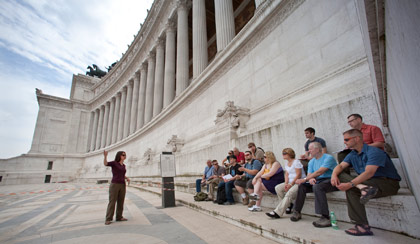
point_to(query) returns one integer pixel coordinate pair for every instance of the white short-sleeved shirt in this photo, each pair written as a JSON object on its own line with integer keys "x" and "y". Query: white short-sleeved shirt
{"x": 292, "y": 172}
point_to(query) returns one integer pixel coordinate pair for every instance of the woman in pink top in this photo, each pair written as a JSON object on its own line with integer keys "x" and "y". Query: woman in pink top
{"x": 117, "y": 187}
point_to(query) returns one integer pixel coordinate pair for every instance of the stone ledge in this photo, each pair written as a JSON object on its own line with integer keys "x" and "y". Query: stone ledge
{"x": 281, "y": 230}
{"x": 397, "y": 213}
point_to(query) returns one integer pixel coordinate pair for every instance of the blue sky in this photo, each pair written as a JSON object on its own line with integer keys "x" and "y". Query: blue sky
{"x": 44, "y": 42}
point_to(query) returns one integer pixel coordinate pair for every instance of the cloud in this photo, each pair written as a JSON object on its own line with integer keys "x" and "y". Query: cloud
{"x": 44, "y": 42}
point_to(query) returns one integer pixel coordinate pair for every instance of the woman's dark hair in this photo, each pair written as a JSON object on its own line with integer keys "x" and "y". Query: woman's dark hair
{"x": 118, "y": 156}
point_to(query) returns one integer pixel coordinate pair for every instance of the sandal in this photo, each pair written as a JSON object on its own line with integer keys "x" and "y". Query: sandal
{"x": 370, "y": 192}
{"x": 360, "y": 230}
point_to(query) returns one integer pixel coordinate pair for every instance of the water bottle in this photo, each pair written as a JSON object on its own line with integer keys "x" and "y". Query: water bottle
{"x": 333, "y": 221}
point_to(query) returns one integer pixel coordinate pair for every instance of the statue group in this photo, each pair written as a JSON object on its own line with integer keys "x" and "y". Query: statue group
{"x": 95, "y": 71}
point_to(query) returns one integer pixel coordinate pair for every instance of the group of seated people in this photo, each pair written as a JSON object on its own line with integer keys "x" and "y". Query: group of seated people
{"x": 255, "y": 171}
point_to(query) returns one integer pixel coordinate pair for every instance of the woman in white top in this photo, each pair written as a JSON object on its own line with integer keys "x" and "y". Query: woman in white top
{"x": 287, "y": 191}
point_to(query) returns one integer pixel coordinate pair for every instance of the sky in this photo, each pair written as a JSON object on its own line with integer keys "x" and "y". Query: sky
{"x": 44, "y": 42}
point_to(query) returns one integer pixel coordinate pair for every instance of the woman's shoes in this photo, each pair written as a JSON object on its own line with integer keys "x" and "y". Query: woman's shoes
{"x": 273, "y": 215}
{"x": 255, "y": 208}
{"x": 289, "y": 209}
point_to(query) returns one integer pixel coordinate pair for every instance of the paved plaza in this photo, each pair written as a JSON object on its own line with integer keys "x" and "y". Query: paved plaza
{"x": 75, "y": 213}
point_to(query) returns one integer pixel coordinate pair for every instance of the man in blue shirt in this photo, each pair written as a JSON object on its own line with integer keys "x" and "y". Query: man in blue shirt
{"x": 317, "y": 181}
{"x": 377, "y": 177}
{"x": 251, "y": 168}
{"x": 208, "y": 171}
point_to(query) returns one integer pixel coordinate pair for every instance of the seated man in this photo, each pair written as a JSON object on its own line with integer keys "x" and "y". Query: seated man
{"x": 320, "y": 169}
{"x": 251, "y": 168}
{"x": 240, "y": 156}
{"x": 310, "y": 135}
{"x": 228, "y": 181}
{"x": 372, "y": 135}
{"x": 257, "y": 153}
{"x": 208, "y": 171}
{"x": 377, "y": 177}
{"x": 214, "y": 180}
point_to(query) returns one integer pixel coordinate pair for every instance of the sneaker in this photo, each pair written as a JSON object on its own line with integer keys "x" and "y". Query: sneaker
{"x": 229, "y": 203}
{"x": 289, "y": 209}
{"x": 295, "y": 216}
{"x": 245, "y": 200}
{"x": 251, "y": 203}
{"x": 255, "y": 208}
{"x": 254, "y": 196}
{"x": 273, "y": 215}
{"x": 322, "y": 222}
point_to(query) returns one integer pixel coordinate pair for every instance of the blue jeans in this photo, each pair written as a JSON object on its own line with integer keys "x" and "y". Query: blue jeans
{"x": 228, "y": 189}
{"x": 198, "y": 185}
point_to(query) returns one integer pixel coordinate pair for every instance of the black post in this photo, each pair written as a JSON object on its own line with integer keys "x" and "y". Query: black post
{"x": 168, "y": 187}
{"x": 168, "y": 192}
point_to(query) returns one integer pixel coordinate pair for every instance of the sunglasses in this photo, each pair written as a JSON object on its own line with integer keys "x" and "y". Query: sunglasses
{"x": 285, "y": 153}
{"x": 348, "y": 139}
{"x": 123, "y": 155}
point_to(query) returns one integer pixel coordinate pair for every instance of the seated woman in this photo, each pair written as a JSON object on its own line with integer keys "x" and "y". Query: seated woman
{"x": 270, "y": 175}
{"x": 287, "y": 191}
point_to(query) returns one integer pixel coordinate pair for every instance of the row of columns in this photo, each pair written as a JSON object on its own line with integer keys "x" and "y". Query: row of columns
{"x": 153, "y": 86}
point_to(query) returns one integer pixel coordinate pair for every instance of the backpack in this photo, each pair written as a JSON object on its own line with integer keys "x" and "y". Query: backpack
{"x": 200, "y": 196}
{"x": 221, "y": 195}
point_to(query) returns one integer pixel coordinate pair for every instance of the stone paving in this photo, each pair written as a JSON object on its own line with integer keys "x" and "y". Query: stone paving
{"x": 74, "y": 213}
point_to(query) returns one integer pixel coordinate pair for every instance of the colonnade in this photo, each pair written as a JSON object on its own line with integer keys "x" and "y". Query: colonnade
{"x": 163, "y": 75}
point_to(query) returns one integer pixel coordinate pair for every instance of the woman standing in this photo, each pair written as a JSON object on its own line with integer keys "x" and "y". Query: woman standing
{"x": 270, "y": 175}
{"x": 117, "y": 187}
{"x": 287, "y": 191}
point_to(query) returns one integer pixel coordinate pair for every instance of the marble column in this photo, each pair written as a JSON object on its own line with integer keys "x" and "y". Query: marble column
{"x": 122, "y": 114}
{"x": 116, "y": 118}
{"x": 99, "y": 128}
{"x": 149, "y": 88}
{"x": 128, "y": 108}
{"x": 182, "y": 74}
{"x": 200, "y": 55}
{"x": 105, "y": 125}
{"x": 110, "y": 122}
{"x": 169, "y": 80}
{"x": 135, "y": 102}
{"x": 142, "y": 96}
{"x": 94, "y": 130}
{"x": 225, "y": 23}
{"x": 159, "y": 74}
